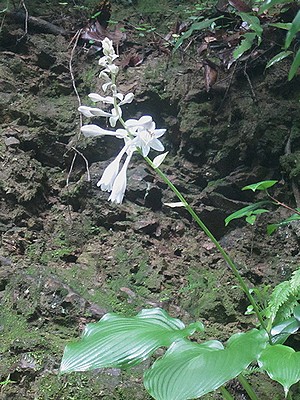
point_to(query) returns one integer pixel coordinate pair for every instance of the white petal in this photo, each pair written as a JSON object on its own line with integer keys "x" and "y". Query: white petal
{"x": 147, "y": 122}
{"x": 95, "y": 97}
{"x": 120, "y": 183}
{"x": 145, "y": 149}
{"x": 146, "y": 119}
{"x": 105, "y": 86}
{"x": 109, "y": 175}
{"x": 111, "y": 171}
{"x": 103, "y": 61}
{"x": 113, "y": 69}
{"x": 155, "y": 144}
{"x": 119, "y": 96}
{"x": 107, "y": 46}
{"x": 104, "y": 75}
{"x": 159, "y": 159}
{"x": 174, "y": 205}
{"x": 93, "y": 112}
{"x": 131, "y": 122}
{"x": 159, "y": 132}
{"x": 127, "y": 99}
{"x": 85, "y": 111}
{"x": 108, "y": 99}
{"x": 121, "y": 133}
{"x": 95, "y": 130}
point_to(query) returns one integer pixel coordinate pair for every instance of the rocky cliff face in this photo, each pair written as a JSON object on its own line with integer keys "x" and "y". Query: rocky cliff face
{"x": 68, "y": 256}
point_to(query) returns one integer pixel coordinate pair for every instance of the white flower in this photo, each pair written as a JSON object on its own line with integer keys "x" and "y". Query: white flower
{"x": 108, "y": 49}
{"x": 146, "y": 134}
{"x": 111, "y": 171}
{"x": 138, "y": 135}
{"x": 93, "y": 112}
{"x": 109, "y": 53}
{"x": 95, "y": 97}
{"x": 116, "y": 114}
{"x": 120, "y": 183}
{"x": 95, "y": 130}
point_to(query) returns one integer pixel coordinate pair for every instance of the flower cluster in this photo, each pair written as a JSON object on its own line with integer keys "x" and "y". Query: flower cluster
{"x": 138, "y": 135}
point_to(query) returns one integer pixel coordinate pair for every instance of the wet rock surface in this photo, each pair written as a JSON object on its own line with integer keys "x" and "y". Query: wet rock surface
{"x": 68, "y": 256}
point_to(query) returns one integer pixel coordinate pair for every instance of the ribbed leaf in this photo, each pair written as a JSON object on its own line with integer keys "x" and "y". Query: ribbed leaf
{"x": 282, "y": 331}
{"x": 245, "y": 45}
{"x": 294, "y": 29}
{"x": 263, "y": 185}
{"x": 295, "y": 65}
{"x": 190, "y": 370}
{"x": 280, "y": 56}
{"x": 282, "y": 364}
{"x": 117, "y": 341}
{"x": 254, "y": 24}
{"x": 246, "y": 211}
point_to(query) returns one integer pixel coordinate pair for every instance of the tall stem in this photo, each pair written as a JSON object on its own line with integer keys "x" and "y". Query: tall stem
{"x": 226, "y": 395}
{"x": 201, "y": 224}
{"x": 224, "y": 254}
{"x": 243, "y": 381}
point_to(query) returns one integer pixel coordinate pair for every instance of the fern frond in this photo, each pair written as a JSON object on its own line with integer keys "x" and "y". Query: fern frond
{"x": 295, "y": 282}
{"x": 278, "y": 297}
{"x": 284, "y": 298}
{"x": 286, "y": 310}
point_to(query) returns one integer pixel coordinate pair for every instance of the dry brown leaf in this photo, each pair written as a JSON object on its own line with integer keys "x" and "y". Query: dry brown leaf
{"x": 210, "y": 75}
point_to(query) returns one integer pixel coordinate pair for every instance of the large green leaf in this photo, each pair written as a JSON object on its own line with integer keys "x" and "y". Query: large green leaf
{"x": 295, "y": 65}
{"x": 282, "y": 364}
{"x": 263, "y": 185}
{"x": 294, "y": 29}
{"x": 117, "y": 341}
{"x": 245, "y": 45}
{"x": 190, "y": 370}
{"x": 247, "y": 211}
{"x": 283, "y": 330}
{"x": 279, "y": 57}
{"x": 254, "y": 24}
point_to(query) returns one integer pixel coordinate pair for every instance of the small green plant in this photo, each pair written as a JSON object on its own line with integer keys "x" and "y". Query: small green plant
{"x": 6, "y": 382}
{"x": 254, "y": 29}
{"x": 188, "y": 369}
{"x": 251, "y": 212}
{"x": 196, "y": 26}
{"x": 292, "y": 30}
{"x": 254, "y": 25}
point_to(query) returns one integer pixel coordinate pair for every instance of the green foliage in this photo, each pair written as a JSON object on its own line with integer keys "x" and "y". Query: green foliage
{"x": 284, "y": 299}
{"x": 245, "y": 45}
{"x": 282, "y": 365}
{"x": 190, "y": 370}
{"x": 261, "y": 296}
{"x": 292, "y": 29}
{"x": 263, "y": 185}
{"x": 279, "y": 57}
{"x": 272, "y": 227}
{"x": 196, "y": 26}
{"x": 249, "y": 37}
{"x": 295, "y": 65}
{"x": 117, "y": 341}
{"x": 271, "y": 3}
{"x": 187, "y": 370}
{"x": 249, "y": 212}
